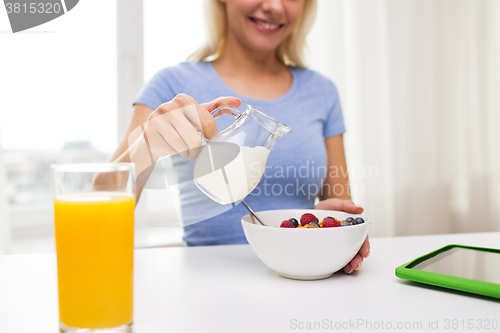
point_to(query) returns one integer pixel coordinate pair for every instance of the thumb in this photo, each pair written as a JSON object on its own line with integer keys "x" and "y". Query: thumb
{"x": 351, "y": 207}
{"x": 340, "y": 205}
{"x": 218, "y": 102}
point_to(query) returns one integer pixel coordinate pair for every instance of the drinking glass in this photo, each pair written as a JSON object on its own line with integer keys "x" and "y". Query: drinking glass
{"x": 94, "y": 226}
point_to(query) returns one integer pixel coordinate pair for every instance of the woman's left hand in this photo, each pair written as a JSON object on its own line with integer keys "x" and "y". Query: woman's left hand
{"x": 349, "y": 207}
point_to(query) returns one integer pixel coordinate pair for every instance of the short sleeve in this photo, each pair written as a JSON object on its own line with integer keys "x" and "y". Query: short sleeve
{"x": 157, "y": 91}
{"x": 334, "y": 124}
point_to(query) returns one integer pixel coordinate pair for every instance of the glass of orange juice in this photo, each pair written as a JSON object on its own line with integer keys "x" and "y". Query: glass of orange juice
{"x": 94, "y": 226}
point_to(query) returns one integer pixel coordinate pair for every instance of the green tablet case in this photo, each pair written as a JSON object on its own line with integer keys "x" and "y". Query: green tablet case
{"x": 447, "y": 281}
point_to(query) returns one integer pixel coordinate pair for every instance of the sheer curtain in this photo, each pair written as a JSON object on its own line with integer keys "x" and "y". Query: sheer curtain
{"x": 419, "y": 81}
{"x": 4, "y": 223}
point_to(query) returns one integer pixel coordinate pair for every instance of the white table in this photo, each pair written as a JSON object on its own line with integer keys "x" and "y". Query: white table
{"x": 227, "y": 289}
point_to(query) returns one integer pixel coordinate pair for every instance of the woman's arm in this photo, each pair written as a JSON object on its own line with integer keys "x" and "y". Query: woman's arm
{"x": 139, "y": 116}
{"x": 336, "y": 193}
{"x": 336, "y": 184}
{"x": 117, "y": 181}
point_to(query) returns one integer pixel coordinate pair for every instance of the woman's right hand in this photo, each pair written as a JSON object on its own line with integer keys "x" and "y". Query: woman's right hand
{"x": 174, "y": 129}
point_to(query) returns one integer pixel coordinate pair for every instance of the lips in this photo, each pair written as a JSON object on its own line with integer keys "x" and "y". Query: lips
{"x": 266, "y": 26}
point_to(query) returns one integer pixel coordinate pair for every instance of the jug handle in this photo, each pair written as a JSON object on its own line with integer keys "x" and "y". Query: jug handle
{"x": 222, "y": 110}
{"x": 225, "y": 109}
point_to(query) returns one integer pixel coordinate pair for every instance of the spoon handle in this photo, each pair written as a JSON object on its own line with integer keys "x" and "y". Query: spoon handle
{"x": 252, "y": 212}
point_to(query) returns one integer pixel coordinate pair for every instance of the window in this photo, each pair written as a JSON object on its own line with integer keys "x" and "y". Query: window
{"x": 172, "y": 31}
{"x": 58, "y": 104}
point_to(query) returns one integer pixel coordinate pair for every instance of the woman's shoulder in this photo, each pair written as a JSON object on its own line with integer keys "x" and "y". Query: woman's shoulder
{"x": 179, "y": 76}
{"x": 313, "y": 79}
{"x": 184, "y": 70}
{"x": 170, "y": 81}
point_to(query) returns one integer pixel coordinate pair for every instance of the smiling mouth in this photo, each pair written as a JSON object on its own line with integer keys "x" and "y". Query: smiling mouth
{"x": 266, "y": 25}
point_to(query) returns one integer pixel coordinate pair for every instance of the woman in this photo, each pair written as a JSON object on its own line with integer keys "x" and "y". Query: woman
{"x": 256, "y": 56}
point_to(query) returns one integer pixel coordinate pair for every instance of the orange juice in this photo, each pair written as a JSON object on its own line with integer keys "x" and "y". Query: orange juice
{"x": 95, "y": 242}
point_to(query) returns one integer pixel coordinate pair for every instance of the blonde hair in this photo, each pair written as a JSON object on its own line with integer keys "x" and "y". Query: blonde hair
{"x": 289, "y": 52}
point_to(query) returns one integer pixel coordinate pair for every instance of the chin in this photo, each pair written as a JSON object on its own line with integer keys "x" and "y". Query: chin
{"x": 263, "y": 45}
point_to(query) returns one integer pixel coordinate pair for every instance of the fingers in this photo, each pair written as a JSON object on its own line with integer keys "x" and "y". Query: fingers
{"x": 191, "y": 138}
{"x": 341, "y": 205}
{"x": 192, "y": 115}
{"x": 173, "y": 128}
{"x": 218, "y": 102}
{"x": 207, "y": 120}
{"x": 165, "y": 140}
{"x": 365, "y": 248}
{"x": 355, "y": 264}
{"x": 350, "y": 207}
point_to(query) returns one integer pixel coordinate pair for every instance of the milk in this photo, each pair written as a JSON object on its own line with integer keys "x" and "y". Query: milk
{"x": 235, "y": 180}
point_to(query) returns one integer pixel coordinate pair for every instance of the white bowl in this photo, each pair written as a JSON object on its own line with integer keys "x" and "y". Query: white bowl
{"x": 304, "y": 253}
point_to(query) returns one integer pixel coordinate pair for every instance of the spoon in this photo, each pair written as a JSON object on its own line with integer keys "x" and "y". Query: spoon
{"x": 252, "y": 212}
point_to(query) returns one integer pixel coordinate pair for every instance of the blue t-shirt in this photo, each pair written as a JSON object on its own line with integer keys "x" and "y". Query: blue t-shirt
{"x": 296, "y": 166}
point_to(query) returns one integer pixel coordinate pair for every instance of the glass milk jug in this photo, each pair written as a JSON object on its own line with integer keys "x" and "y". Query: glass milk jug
{"x": 231, "y": 164}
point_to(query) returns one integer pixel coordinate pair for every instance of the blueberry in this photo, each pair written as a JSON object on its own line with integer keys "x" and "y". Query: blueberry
{"x": 359, "y": 220}
{"x": 294, "y": 222}
{"x": 313, "y": 225}
{"x": 349, "y": 219}
{"x": 345, "y": 224}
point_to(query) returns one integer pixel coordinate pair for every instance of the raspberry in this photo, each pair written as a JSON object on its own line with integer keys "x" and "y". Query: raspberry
{"x": 287, "y": 224}
{"x": 331, "y": 223}
{"x": 307, "y": 218}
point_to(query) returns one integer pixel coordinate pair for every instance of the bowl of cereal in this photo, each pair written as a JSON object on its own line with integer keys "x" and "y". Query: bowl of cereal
{"x": 305, "y": 244}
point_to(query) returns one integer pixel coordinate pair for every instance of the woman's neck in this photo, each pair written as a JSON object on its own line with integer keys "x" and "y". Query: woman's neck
{"x": 237, "y": 58}
{"x": 252, "y": 73}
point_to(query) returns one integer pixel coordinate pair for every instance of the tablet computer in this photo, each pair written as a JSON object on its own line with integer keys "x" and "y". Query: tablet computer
{"x": 465, "y": 268}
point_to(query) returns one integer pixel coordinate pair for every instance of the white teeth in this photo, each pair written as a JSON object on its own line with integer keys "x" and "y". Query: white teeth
{"x": 268, "y": 26}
